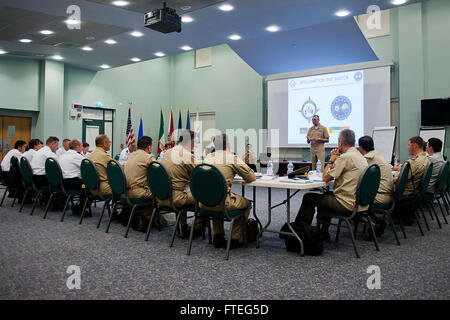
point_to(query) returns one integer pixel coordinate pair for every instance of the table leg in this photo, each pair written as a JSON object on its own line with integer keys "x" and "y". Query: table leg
{"x": 254, "y": 208}
{"x": 269, "y": 214}
{"x": 288, "y": 215}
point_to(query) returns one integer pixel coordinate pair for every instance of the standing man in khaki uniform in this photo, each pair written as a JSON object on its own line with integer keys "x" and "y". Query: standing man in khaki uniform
{"x": 346, "y": 166}
{"x": 100, "y": 158}
{"x": 179, "y": 161}
{"x": 229, "y": 165}
{"x": 317, "y": 136}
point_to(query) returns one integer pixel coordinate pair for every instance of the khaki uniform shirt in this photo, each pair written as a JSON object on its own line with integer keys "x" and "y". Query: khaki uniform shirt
{"x": 179, "y": 163}
{"x": 386, "y": 189}
{"x": 318, "y": 132}
{"x": 229, "y": 165}
{"x": 346, "y": 171}
{"x": 101, "y": 159}
{"x": 136, "y": 173}
{"x": 418, "y": 165}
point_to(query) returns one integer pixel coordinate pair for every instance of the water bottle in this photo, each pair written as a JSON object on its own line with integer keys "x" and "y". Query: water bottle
{"x": 270, "y": 168}
{"x": 395, "y": 161}
{"x": 290, "y": 167}
{"x": 319, "y": 166}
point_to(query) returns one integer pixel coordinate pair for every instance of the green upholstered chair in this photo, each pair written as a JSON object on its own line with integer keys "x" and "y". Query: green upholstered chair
{"x": 442, "y": 187}
{"x": 160, "y": 184}
{"x": 29, "y": 185}
{"x": 365, "y": 194}
{"x": 89, "y": 175}
{"x": 118, "y": 182}
{"x": 424, "y": 199}
{"x": 428, "y": 198}
{"x": 3, "y": 185}
{"x": 209, "y": 188}
{"x": 55, "y": 181}
{"x": 14, "y": 178}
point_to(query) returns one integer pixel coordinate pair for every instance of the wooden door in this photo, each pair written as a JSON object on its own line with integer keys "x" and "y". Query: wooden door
{"x": 13, "y": 129}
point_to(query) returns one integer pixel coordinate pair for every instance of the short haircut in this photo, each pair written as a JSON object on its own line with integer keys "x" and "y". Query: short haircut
{"x": 19, "y": 144}
{"x": 366, "y": 142}
{"x": 66, "y": 140}
{"x": 33, "y": 143}
{"x": 347, "y": 137}
{"x": 220, "y": 141}
{"x": 417, "y": 140}
{"x": 436, "y": 144}
{"x": 85, "y": 144}
{"x": 74, "y": 143}
{"x": 184, "y": 135}
{"x": 51, "y": 139}
{"x": 144, "y": 142}
{"x": 100, "y": 140}
{"x": 316, "y": 116}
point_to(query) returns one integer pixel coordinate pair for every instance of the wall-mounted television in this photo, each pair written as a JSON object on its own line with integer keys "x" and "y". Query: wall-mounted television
{"x": 435, "y": 112}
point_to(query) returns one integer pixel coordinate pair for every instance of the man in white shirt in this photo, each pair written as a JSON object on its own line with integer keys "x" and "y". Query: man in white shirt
{"x": 19, "y": 148}
{"x": 70, "y": 163}
{"x": 64, "y": 148}
{"x": 39, "y": 158}
{"x": 125, "y": 154}
{"x": 33, "y": 146}
{"x": 85, "y": 152}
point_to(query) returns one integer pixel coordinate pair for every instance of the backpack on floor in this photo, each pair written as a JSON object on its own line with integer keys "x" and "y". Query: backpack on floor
{"x": 309, "y": 235}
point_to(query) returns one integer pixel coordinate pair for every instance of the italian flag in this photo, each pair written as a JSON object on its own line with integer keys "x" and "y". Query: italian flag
{"x": 161, "y": 142}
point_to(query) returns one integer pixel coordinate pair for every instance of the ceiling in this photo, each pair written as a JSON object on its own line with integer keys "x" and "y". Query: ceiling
{"x": 310, "y": 34}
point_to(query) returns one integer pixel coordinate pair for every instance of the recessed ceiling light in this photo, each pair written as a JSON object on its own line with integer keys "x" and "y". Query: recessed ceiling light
{"x": 187, "y": 19}
{"x": 160, "y": 54}
{"x": 3, "y": 51}
{"x": 105, "y": 66}
{"x": 226, "y": 7}
{"x": 46, "y": 32}
{"x": 25, "y": 40}
{"x": 137, "y": 34}
{"x": 135, "y": 59}
{"x": 186, "y": 48}
{"x": 399, "y": 2}
{"x": 87, "y": 48}
{"x": 57, "y": 57}
{"x": 185, "y": 8}
{"x": 72, "y": 21}
{"x": 342, "y": 13}
{"x": 120, "y": 3}
{"x": 273, "y": 28}
{"x": 234, "y": 37}
{"x": 110, "y": 41}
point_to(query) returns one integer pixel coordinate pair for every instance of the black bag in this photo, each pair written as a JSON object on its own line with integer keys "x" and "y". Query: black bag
{"x": 309, "y": 235}
{"x": 252, "y": 230}
{"x": 406, "y": 206}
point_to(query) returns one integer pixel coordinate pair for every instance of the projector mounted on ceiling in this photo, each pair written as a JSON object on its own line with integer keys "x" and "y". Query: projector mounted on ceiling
{"x": 164, "y": 20}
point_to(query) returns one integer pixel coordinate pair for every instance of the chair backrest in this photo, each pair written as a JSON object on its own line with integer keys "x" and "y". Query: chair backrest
{"x": 53, "y": 173}
{"x": 368, "y": 185}
{"x": 443, "y": 177}
{"x": 116, "y": 178}
{"x": 426, "y": 178}
{"x": 402, "y": 180}
{"x": 25, "y": 169}
{"x": 208, "y": 185}
{"x": 159, "y": 181}
{"x": 15, "y": 178}
{"x": 89, "y": 175}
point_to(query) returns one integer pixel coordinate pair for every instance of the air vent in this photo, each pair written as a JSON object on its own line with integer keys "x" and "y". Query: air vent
{"x": 28, "y": 54}
{"x": 67, "y": 45}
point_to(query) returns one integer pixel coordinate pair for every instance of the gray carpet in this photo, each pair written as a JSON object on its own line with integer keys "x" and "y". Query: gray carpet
{"x": 35, "y": 254}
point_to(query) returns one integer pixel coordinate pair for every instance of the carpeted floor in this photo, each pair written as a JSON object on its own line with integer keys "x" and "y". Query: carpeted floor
{"x": 35, "y": 255}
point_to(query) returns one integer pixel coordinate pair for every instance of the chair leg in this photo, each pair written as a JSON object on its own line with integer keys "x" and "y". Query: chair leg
{"x": 353, "y": 237}
{"x": 129, "y": 221}
{"x": 424, "y": 218}
{"x": 15, "y": 198}
{"x": 23, "y": 201}
{"x": 65, "y": 206}
{"x": 84, "y": 208}
{"x": 209, "y": 231}
{"x": 442, "y": 211}
{"x": 373, "y": 232}
{"x": 418, "y": 223}
{"x": 48, "y": 205}
{"x": 444, "y": 200}
{"x": 227, "y": 253}
{"x": 447, "y": 201}
{"x": 177, "y": 223}
{"x": 245, "y": 231}
{"x": 35, "y": 201}
{"x": 191, "y": 235}
{"x": 338, "y": 231}
{"x": 391, "y": 222}
{"x": 4, "y": 195}
{"x": 402, "y": 227}
{"x": 110, "y": 218}
{"x": 155, "y": 212}
{"x": 106, "y": 204}
{"x": 430, "y": 204}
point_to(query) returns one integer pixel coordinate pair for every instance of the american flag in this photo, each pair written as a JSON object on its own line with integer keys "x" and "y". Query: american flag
{"x": 129, "y": 133}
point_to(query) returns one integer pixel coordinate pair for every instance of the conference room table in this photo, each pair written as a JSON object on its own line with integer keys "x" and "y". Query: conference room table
{"x": 276, "y": 182}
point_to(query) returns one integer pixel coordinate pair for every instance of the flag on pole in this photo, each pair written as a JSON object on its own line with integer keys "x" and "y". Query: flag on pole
{"x": 170, "y": 134}
{"x": 180, "y": 126}
{"x": 197, "y": 132}
{"x": 129, "y": 133}
{"x": 188, "y": 121}
{"x": 141, "y": 130}
{"x": 161, "y": 142}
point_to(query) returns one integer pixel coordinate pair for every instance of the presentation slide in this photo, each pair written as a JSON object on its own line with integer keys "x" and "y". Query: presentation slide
{"x": 337, "y": 98}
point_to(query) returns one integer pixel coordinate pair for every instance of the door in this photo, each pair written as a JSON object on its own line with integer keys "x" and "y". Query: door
{"x": 91, "y": 129}
{"x": 13, "y": 129}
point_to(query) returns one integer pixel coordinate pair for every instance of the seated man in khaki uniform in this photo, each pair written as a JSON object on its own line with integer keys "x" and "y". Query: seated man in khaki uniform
{"x": 345, "y": 167}
{"x": 100, "y": 158}
{"x": 136, "y": 173}
{"x": 229, "y": 165}
{"x": 386, "y": 189}
{"x": 180, "y": 162}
